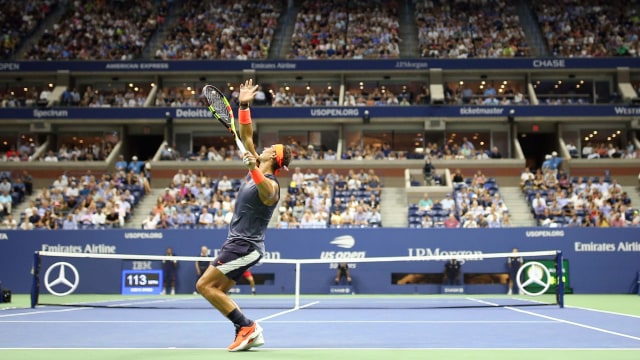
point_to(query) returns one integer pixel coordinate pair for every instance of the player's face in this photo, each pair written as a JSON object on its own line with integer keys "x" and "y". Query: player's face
{"x": 267, "y": 154}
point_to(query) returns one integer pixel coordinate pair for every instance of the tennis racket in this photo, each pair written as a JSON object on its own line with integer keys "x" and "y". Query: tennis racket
{"x": 221, "y": 110}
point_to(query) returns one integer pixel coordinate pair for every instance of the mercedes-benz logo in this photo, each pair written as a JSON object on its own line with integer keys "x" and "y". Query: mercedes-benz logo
{"x": 537, "y": 274}
{"x": 62, "y": 280}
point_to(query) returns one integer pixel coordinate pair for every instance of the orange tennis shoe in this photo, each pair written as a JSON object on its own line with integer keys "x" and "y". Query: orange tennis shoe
{"x": 246, "y": 337}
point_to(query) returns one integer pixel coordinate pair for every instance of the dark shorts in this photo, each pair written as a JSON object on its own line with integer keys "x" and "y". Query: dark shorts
{"x": 513, "y": 274}
{"x": 236, "y": 257}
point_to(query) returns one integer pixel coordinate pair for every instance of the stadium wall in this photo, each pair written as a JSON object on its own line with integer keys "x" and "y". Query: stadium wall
{"x": 600, "y": 260}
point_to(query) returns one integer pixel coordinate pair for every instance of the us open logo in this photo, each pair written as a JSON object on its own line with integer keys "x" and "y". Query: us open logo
{"x": 344, "y": 241}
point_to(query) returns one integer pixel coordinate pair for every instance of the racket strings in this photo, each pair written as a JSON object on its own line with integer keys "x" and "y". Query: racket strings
{"x": 215, "y": 100}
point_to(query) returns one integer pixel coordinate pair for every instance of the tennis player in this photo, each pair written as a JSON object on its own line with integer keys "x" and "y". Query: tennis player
{"x": 255, "y": 202}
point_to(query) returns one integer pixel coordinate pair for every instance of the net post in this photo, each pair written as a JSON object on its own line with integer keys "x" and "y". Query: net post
{"x": 35, "y": 284}
{"x": 560, "y": 279}
{"x": 296, "y": 304}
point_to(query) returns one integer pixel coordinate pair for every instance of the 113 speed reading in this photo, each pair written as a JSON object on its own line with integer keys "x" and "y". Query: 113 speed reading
{"x": 135, "y": 279}
{"x": 141, "y": 282}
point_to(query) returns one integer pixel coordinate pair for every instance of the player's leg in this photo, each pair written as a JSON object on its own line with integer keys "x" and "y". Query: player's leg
{"x": 213, "y": 285}
{"x": 216, "y": 282}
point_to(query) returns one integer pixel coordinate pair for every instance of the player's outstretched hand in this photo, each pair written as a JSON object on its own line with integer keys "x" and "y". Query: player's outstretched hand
{"x": 247, "y": 92}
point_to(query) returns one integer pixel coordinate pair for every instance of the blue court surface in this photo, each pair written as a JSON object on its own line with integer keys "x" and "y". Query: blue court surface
{"x": 336, "y": 322}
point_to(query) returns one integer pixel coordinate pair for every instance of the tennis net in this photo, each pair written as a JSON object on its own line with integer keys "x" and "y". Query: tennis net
{"x": 411, "y": 282}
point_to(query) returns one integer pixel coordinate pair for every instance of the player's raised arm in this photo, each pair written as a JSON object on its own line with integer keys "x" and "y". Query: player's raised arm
{"x": 247, "y": 93}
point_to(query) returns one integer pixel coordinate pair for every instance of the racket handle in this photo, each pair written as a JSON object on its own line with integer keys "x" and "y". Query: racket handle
{"x": 240, "y": 146}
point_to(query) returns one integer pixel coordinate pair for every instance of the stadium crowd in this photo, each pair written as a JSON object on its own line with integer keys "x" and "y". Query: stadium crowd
{"x": 360, "y": 29}
{"x": 236, "y": 30}
{"x": 19, "y": 20}
{"x": 474, "y": 203}
{"x": 86, "y": 201}
{"x": 469, "y": 29}
{"x": 337, "y": 30}
{"x": 313, "y": 200}
{"x": 99, "y": 30}
{"x": 557, "y": 200}
{"x": 593, "y": 28}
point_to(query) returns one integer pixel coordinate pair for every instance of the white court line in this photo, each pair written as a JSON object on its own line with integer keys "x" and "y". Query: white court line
{"x": 41, "y": 312}
{"x": 564, "y": 321}
{"x": 332, "y": 348}
{"x": 604, "y": 311}
{"x": 284, "y": 321}
{"x": 287, "y": 311}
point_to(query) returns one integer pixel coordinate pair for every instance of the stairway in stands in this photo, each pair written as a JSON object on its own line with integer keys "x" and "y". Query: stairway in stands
{"x": 143, "y": 209}
{"x": 409, "y": 47}
{"x": 517, "y": 204}
{"x": 532, "y": 31}
{"x": 394, "y": 208}
{"x": 281, "y": 44}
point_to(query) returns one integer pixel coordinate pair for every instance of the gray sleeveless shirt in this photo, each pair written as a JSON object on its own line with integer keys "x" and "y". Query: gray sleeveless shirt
{"x": 251, "y": 216}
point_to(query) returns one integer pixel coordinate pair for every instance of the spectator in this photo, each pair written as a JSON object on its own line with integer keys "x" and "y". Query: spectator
{"x": 150, "y": 222}
{"x": 9, "y": 223}
{"x": 469, "y": 221}
{"x": 69, "y": 223}
{"x": 428, "y": 171}
{"x": 495, "y": 153}
{"x": 425, "y": 204}
{"x": 457, "y": 177}
{"x": 5, "y": 185}
{"x": 50, "y": 157}
{"x": 205, "y": 219}
{"x": 6, "y": 202}
{"x": 539, "y": 204}
{"x": 225, "y": 185}
{"x": 526, "y": 178}
{"x": 451, "y": 221}
{"x": 427, "y": 221}
{"x": 375, "y": 218}
{"x": 121, "y": 164}
{"x": 448, "y": 203}
{"x": 360, "y": 218}
{"x": 135, "y": 165}
{"x": 27, "y": 179}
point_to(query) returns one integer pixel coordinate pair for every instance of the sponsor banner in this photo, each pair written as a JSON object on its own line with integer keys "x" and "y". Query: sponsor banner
{"x": 602, "y": 260}
{"x": 297, "y": 113}
{"x": 316, "y": 65}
